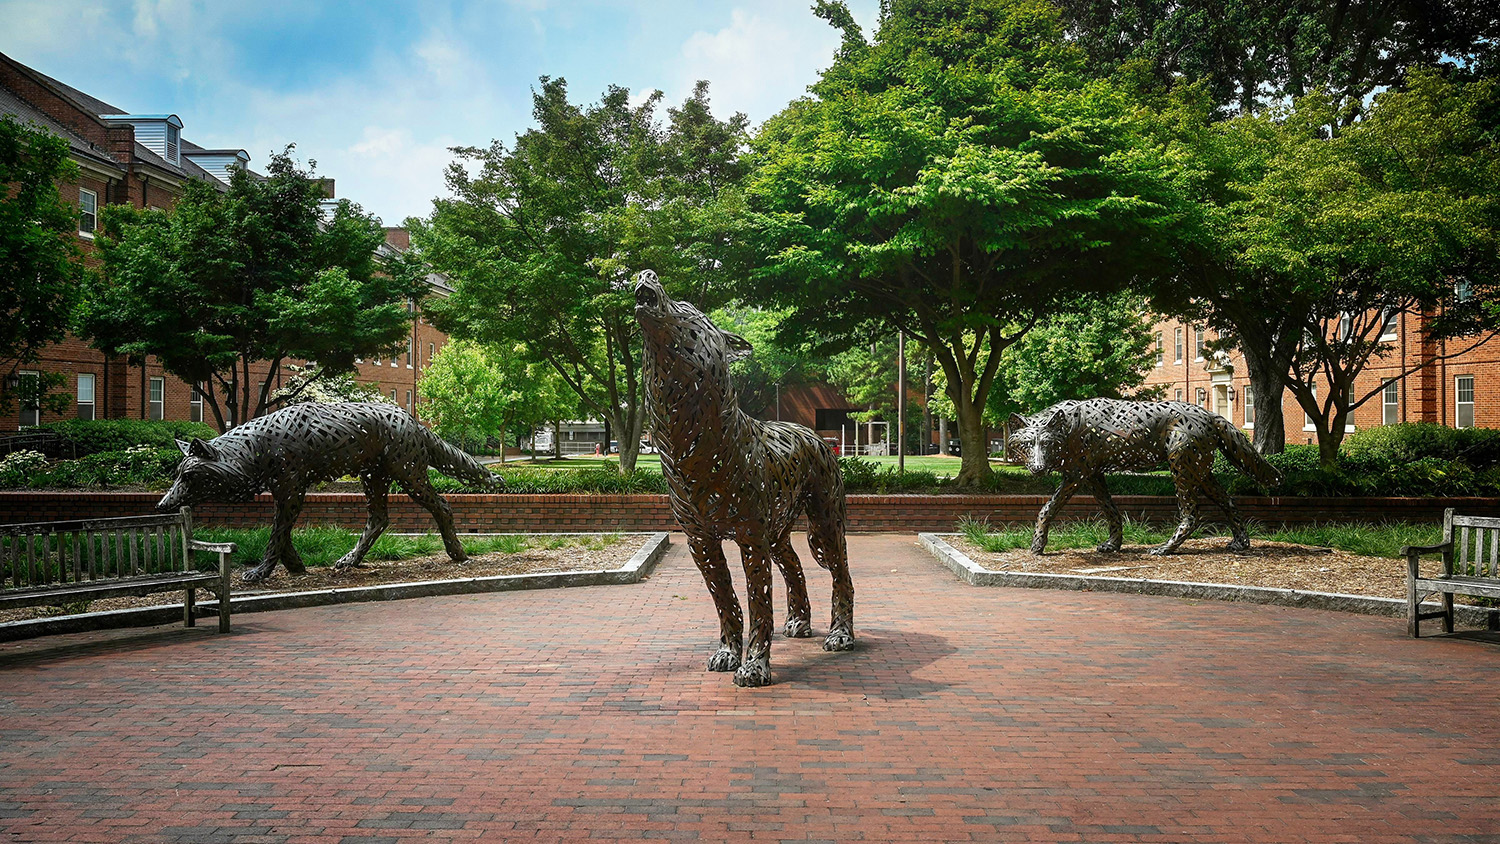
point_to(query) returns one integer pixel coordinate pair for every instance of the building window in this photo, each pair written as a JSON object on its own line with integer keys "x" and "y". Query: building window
{"x": 1200, "y": 397}
{"x": 1463, "y": 390}
{"x": 1161, "y": 352}
{"x": 408, "y": 401}
{"x": 375, "y": 361}
{"x": 85, "y": 396}
{"x": 1463, "y": 291}
{"x": 156, "y": 399}
{"x": 1391, "y": 326}
{"x": 1346, "y": 326}
{"x": 88, "y": 212}
{"x": 411, "y": 350}
{"x": 393, "y": 395}
{"x": 1390, "y": 403}
{"x": 1198, "y": 344}
{"x": 1307, "y": 421}
{"x": 1177, "y": 344}
{"x": 173, "y": 137}
{"x": 1177, "y": 396}
{"x": 431, "y": 350}
{"x": 195, "y": 404}
{"x": 1249, "y": 406}
{"x": 28, "y": 387}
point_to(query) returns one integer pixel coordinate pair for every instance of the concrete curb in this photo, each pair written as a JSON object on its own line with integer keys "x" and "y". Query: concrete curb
{"x": 641, "y": 564}
{"x": 975, "y": 575}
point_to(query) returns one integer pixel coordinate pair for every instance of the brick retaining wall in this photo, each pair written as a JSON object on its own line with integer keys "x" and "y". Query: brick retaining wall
{"x": 867, "y": 513}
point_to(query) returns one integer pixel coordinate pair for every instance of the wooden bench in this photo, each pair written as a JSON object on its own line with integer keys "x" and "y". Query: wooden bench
{"x": 54, "y": 563}
{"x": 1471, "y": 566}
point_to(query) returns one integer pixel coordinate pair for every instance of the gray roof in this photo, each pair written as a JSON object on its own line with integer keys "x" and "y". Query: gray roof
{"x": 12, "y": 104}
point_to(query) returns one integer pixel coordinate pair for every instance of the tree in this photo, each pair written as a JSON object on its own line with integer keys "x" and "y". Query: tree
{"x": 770, "y": 367}
{"x": 957, "y": 177}
{"x": 474, "y": 393}
{"x": 542, "y": 241}
{"x": 1377, "y": 220}
{"x": 252, "y": 275}
{"x": 1254, "y": 54}
{"x": 39, "y": 266}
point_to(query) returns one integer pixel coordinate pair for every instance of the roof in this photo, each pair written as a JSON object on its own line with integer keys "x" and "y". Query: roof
{"x": 12, "y": 104}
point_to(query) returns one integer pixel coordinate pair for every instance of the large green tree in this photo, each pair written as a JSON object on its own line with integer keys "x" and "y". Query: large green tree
{"x": 543, "y": 238}
{"x": 957, "y": 178}
{"x": 257, "y": 275}
{"x": 39, "y": 267}
{"x": 474, "y": 393}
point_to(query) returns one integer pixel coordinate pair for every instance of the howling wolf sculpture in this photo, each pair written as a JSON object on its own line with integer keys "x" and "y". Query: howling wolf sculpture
{"x": 733, "y": 477}
{"x": 1084, "y": 439}
{"x": 289, "y": 450}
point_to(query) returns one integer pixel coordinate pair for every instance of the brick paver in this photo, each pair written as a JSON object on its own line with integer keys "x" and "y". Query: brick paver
{"x": 966, "y": 714}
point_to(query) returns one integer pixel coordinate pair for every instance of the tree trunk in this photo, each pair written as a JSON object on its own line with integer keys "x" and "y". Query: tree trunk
{"x": 1269, "y": 389}
{"x": 943, "y": 436}
{"x": 627, "y": 428}
{"x": 1329, "y": 441}
{"x": 974, "y": 470}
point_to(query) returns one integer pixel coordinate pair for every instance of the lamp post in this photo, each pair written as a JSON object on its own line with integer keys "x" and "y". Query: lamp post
{"x": 901, "y": 403}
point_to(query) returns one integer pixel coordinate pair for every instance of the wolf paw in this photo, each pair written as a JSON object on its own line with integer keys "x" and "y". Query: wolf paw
{"x": 755, "y": 672}
{"x": 348, "y": 561}
{"x": 257, "y": 574}
{"x": 724, "y": 660}
{"x": 1108, "y": 547}
{"x": 839, "y": 640}
{"x": 1038, "y": 546}
{"x": 798, "y": 628}
{"x": 1161, "y": 551}
{"x": 1238, "y": 544}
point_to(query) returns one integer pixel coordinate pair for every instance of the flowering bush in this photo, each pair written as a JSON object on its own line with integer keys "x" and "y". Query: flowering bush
{"x": 20, "y": 465}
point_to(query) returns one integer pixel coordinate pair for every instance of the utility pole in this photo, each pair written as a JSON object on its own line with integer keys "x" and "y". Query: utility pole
{"x": 901, "y": 403}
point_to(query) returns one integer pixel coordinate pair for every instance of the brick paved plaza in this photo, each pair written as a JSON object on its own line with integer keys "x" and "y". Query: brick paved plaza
{"x": 967, "y": 714}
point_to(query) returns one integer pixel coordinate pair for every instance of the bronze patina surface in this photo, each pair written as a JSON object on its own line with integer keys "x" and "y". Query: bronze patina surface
{"x": 734, "y": 477}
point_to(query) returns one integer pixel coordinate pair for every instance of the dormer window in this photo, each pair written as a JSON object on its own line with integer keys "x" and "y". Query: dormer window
{"x": 160, "y": 133}
{"x": 174, "y": 141}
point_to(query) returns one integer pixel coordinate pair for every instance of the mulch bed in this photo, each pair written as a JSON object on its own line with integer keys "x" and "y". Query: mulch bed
{"x": 1270, "y": 564}
{"x": 616, "y": 551}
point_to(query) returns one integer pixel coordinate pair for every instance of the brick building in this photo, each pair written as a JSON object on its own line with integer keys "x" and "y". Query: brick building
{"x": 1458, "y": 391}
{"x": 143, "y": 160}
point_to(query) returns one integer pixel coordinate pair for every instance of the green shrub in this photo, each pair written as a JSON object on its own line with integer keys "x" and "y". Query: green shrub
{"x": 80, "y": 438}
{"x": 137, "y": 466}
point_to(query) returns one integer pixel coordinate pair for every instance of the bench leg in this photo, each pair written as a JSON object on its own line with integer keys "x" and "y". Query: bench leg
{"x": 189, "y": 608}
{"x": 223, "y": 592}
{"x": 1447, "y": 612}
{"x": 1413, "y": 612}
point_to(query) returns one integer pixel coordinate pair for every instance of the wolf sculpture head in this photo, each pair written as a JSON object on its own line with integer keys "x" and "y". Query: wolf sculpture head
{"x": 206, "y": 474}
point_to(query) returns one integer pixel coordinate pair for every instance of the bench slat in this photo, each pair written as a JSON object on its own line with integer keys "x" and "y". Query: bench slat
{"x": 42, "y": 596}
{"x": 1476, "y": 521}
{"x": 1482, "y": 586}
{"x": 112, "y": 524}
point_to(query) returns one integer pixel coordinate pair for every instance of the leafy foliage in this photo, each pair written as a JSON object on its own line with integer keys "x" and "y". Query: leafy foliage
{"x": 473, "y": 393}
{"x": 81, "y": 437}
{"x": 254, "y": 274}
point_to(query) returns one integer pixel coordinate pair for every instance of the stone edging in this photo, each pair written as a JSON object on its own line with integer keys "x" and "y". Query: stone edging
{"x": 976, "y": 575}
{"x": 641, "y": 564}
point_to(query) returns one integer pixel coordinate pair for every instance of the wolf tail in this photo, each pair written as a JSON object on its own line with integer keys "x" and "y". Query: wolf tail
{"x": 457, "y": 465}
{"x": 1243, "y": 455}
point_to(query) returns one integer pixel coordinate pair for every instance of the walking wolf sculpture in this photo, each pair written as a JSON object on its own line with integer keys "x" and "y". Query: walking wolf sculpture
{"x": 289, "y": 450}
{"x": 733, "y": 477}
{"x": 1083, "y": 440}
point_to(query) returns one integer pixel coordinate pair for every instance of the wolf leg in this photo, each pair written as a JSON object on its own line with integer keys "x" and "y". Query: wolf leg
{"x": 1064, "y": 492}
{"x": 825, "y": 536}
{"x": 377, "y": 487}
{"x": 1189, "y": 467}
{"x": 279, "y": 548}
{"x": 1240, "y": 539}
{"x": 708, "y": 554}
{"x": 420, "y": 490}
{"x": 798, "y": 608}
{"x": 755, "y": 670}
{"x": 1100, "y": 492}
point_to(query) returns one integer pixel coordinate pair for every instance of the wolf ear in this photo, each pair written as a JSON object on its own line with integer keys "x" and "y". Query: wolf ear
{"x": 202, "y": 450}
{"x": 739, "y": 347}
{"x": 183, "y": 447}
{"x": 1017, "y": 421}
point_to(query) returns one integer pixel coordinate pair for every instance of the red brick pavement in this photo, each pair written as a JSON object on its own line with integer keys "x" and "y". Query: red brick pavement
{"x": 967, "y": 714}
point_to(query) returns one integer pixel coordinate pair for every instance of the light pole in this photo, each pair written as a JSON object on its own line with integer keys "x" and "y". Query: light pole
{"x": 901, "y": 403}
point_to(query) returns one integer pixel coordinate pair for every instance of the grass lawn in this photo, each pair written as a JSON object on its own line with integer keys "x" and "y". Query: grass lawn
{"x": 322, "y": 546}
{"x": 1366, "y": 540}
{"x": 943, "y": 467}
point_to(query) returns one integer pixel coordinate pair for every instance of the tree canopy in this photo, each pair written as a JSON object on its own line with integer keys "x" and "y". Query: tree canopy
{"x": 542, "y": 240}
{"x": 473, "y": 393}
{"x": 39, "y": 267}
{"x": 958, "y": 176}
{"x": 256, "y": 274}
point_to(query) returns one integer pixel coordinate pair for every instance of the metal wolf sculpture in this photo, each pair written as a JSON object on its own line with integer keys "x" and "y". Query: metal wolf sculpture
{"x": 289, "y": 450}
{"x": 734, "y": 477}
{"x": 1084, "y": 439}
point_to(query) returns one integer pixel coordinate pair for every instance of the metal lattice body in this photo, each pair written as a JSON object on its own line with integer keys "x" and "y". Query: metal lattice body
{"x": 1082, "y": 440}
{"x": 287, "y": 451}
{"x": 734, "y": 477}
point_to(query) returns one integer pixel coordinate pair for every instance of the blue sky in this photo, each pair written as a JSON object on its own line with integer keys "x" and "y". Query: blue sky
{"x": 377, "y": 91}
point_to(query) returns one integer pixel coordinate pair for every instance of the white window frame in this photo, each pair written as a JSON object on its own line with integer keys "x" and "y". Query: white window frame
{"x": 79, "y": 403}
{"x": 408, "y": 401}
{"x": 35, "y": 410}
{"x": 92, "y": 213}
{"x": 1198, "y": 340}
{"x": 1177, "y": 344}
{"x": 1390, "y": 325}
{"x": 1459, "y": 405}
{"x": 1178, "y": 396}
{"x": 1249, "y": 406}
{"x": 393, "y": 395}
{"x": 1463, "y": 291}
{"x": 1161, "y": 349}
{"x": 431, "y": 350}
{"x": 195, "y": 404}
{"x": 1200, "y": 397}
{"x": 156, "y": 398}
{"x": 1390, "y": 402}
{"x": 1345, "y": 327}
{"x": 411, "y": 351}
{"x": 1307, "y": 420}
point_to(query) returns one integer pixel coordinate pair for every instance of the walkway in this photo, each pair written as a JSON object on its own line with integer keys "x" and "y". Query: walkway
{"x": 967, "y": 714}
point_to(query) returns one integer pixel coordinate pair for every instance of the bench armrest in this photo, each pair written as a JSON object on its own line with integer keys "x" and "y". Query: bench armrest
{"x": 218, "y": 547}
{"x": 1414, "y": 553}
{"x": 1414, "y": 550}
